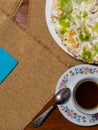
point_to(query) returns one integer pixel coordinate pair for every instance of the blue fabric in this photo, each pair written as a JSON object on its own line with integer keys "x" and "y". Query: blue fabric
{"x": 7, "y": 64}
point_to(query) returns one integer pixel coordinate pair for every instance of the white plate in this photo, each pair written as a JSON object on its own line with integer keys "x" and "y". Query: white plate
{"x": 68, "y": 79}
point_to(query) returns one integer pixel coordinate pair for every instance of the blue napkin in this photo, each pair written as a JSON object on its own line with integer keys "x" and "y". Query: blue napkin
{"x": 7, "y": 64}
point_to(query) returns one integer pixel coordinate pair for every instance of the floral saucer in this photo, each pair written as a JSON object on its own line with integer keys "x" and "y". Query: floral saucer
{"x": 68, "y": 79}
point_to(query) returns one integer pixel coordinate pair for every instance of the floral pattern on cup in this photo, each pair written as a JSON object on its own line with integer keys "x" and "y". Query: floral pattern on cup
{"x": 94, "y": 118}
{"x": 72, "y": 114}
{"x": 82, "y": 70}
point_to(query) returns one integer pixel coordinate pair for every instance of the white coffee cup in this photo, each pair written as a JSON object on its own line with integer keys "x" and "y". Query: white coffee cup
{"x": 76, "y": 103}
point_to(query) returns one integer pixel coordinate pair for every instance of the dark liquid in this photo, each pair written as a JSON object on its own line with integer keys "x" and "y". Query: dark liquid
{"x": 87, "y": 95}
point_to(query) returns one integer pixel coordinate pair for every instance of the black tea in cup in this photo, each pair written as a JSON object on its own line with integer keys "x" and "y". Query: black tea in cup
{"x": 87, "y": 95}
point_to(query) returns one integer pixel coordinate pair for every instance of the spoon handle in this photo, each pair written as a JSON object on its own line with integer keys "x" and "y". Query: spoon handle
{"x": 39, "y": 120}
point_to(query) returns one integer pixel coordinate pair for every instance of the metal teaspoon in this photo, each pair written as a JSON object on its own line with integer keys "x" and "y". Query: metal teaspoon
{"x": 61, "y": 97}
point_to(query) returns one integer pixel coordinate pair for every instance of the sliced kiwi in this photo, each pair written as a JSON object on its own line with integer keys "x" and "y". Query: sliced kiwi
{"x": 84, "y": 36}
{"x": 64, "y": 21}
{"x": 66, "y": 5}
{"x": 87, "y": 56}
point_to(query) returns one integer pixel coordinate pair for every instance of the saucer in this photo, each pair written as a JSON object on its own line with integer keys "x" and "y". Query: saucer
{"x": 69, "y": 79}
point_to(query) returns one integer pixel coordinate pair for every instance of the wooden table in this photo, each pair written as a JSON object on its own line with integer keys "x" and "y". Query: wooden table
{"x": 55, "y": 121}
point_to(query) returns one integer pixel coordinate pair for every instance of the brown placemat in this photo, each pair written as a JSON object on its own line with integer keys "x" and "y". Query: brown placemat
{"x": 9, "y": 7}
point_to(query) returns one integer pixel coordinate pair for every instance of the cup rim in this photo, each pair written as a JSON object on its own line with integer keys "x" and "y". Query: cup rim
{"x": 78, "y": 107}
